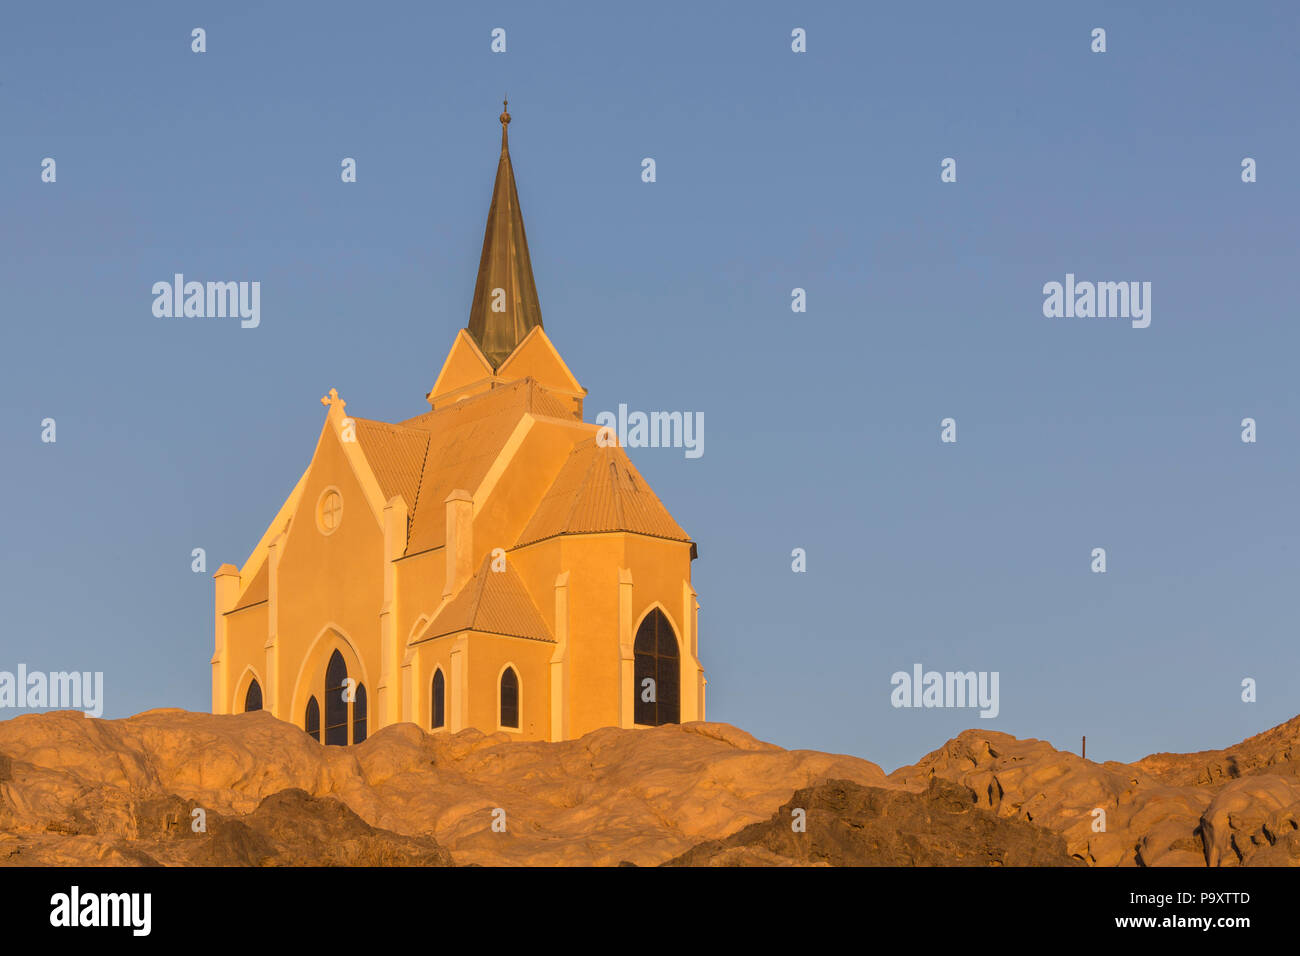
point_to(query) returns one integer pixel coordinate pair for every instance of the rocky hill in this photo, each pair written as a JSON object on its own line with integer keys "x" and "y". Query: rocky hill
{"x": 173, "y": 787}
{"x": 847, "y": 824}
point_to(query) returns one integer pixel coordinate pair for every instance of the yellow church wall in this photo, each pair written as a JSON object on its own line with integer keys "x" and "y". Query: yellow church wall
{"x": 309, "y": 680}
{"x": 593, "y": 562}
{"x": 245, "y": 643}
{"x": 428, "y": 657}
{"x": 661, "y": 576}
{"x": 419, "y": 589}
{"x": 659, "y": 570}
{"x": 483, "y": 659}
{"x": 333, "y": 579}
{"x": 489, "y": 654}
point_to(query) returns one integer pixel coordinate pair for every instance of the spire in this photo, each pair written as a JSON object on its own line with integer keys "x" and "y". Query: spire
{"x": 499, "y": 320}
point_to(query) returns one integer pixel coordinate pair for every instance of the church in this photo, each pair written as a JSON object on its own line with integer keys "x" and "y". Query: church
{"x": 492, "y": 562}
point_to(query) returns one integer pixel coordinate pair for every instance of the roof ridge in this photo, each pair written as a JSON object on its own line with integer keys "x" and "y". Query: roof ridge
{"x": 419, "y": 487}
{"x": 582, "y": 485}
{"x": 379, "y": 421}
{"x": 476, "y": 599}
{"x": 615, "y": 492}
{"x": 464, "y": 403}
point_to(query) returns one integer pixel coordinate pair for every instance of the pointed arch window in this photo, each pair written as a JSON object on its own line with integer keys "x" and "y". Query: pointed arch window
{"x": 439, "y": 699}
{"x": 311, "y": 722}
{"x": 253, "y": 697}
{"x": 336, "y": 706}
{"x": 510, "y": 698}
{"x": 359, "y": 715}
{"x": 657, "y": 665}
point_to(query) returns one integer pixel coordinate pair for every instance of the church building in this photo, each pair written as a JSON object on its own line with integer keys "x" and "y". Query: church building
{"x": 492, "y": 562}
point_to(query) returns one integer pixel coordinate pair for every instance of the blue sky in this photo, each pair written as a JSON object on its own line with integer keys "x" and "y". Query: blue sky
{"x": 775, "y": 170}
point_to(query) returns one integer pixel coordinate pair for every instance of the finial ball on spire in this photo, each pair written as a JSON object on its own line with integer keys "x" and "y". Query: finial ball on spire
{"x": 505, "y": 112}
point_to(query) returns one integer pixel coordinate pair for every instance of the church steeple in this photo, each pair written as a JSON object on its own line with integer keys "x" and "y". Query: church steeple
{"x": 505, "y": 306}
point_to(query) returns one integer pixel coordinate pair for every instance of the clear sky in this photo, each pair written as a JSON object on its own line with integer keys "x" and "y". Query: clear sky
{"x": 775, "y": 170}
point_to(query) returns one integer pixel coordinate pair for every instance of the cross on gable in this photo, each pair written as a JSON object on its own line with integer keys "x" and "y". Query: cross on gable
{"x": 333, "y": 399}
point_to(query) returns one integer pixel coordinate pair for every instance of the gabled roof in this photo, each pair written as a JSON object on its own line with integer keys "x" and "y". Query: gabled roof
{"x": 465, "y": 440}
{"x": 493, "y": 602}
{"x": 396, "y": 456}
{"x": 599, "y": 489}
{"x": 425, "y": 458}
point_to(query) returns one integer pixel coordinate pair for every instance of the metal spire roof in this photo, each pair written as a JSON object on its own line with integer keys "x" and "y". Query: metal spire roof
{"x": 505, "y": 306}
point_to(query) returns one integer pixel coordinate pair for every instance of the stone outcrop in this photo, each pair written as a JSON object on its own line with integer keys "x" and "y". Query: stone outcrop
{"x": 79, "y": 791}
{"x": 83, "y": 785}
{"x": 847, "y": 824}
{"x": 1163, "y": 810}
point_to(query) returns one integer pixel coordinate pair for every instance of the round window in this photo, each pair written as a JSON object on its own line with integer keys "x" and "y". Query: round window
{"x": 329, "y": 511}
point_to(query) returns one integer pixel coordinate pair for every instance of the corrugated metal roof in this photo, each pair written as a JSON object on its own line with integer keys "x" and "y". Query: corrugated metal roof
{"x": 464, "y": 441}
{"x": 546, "y": 402}
{"x": 426, "y": 458}
{"x": 494, "y": 602}
{"x": 396, "y": 456}
{"x": 599, "y": 489}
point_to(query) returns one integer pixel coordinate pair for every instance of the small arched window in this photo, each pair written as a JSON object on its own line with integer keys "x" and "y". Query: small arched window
{"x": 510, "y": 698}
{"x": 439, "y": 699}
{"x": 253, "y": 697}
{"x": 657, "y": 667}
{"x": 336, "y": 706}
{"x": 359, "y": 715}
{"x": 311, "y": 723}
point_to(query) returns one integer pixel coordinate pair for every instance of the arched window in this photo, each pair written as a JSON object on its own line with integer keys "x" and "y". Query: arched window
{"x": 312, "y": 722}
{"x": 336, "y": 707}
{"x": 510, "y": 698}
{"x": 253, "y": 698}
{"x": 657, "y": 661}
{"x": 359, "y": 715}
{"x": 439, "y": 699}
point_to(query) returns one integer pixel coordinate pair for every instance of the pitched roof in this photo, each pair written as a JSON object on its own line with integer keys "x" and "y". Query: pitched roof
{"x": 427, "y": 457}
{"x": 504, "y": 265}
{"x": 494, "y": 602}
{"x": 599, "y": 489}
{"x": 396, "y": 456}
{"x": 465, "y": 439}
